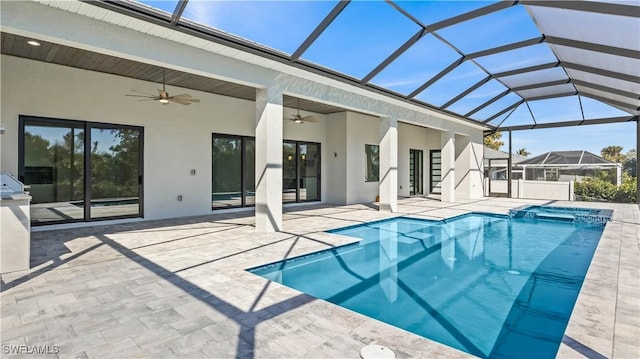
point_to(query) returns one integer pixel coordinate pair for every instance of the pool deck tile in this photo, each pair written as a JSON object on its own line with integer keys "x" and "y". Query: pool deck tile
{"x": 178, "y": 288}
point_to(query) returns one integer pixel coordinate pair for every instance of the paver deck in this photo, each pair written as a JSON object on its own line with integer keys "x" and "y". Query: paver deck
{"x": 178, "y": 288}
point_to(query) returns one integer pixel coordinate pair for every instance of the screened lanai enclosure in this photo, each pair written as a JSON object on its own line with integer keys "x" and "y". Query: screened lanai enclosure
{"x": 569, "y": 166}
{"x": 511, "y": 65}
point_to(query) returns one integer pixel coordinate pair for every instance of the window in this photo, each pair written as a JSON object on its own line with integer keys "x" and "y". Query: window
{"x": 435, "y": 169}
{"x": 233, "y": 171}
{"x": 372, "y": 173}
{"x": 80, "y": 171}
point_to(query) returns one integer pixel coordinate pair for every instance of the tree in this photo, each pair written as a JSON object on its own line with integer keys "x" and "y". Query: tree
{"x": 523, "y": 152}
{"x": 493, "y": 140}
{"x": 613, "y": 154}
{"x": 630, "y": 163}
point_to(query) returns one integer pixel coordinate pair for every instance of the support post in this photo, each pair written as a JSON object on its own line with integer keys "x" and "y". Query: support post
{"x": 509, "y": 168}
{"x": 268, "y": 160}
{"x": 389, "y": 164}
{"x": 448, "y": 158}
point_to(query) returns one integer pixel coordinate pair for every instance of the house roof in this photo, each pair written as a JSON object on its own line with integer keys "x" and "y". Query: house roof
{"x": 567, "y": 158}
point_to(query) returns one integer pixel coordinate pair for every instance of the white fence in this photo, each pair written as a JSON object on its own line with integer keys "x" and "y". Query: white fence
{"x": 552, "y": 190}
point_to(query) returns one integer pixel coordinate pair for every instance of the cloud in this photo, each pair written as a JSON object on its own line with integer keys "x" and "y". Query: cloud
{"x": 403, "y": 82}
{"x": 204, "y": 12}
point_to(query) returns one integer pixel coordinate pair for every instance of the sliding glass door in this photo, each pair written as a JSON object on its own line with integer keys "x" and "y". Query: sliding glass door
{"x": 233, "y": 168}
{"x": 300, "y": 171}
{"x": 79, "y": 171}
{"x": 415, "y": 172}
{"x": 115, "y": 171}
{"x": 53, "y": 166}
{"x": 309, "y": 171}
{"x": 226, "y": 182}
{"x": 289, "y": 173}
{"x": 233, "y": 165}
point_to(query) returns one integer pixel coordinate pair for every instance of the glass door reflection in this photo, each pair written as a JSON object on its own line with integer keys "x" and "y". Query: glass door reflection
{"x": 309, "y": 172}
{"x": 289, "y": 172}
{"x": 226, "y": 183}
{"x": 53, "y": 166}
{"x": 115, "y": 172}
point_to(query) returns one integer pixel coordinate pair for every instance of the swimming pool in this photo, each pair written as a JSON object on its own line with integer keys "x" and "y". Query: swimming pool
{"x": 485, "y": 284}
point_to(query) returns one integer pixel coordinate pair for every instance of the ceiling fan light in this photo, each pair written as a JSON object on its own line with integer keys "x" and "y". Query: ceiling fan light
{"x": 298, "y": 120}
{"x": 163, "y": 100}
{"x": 33, "y": 43}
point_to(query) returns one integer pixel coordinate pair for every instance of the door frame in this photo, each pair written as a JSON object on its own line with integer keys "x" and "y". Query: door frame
{"x": 431, "y": 175}
{"x": 87, "y": 126}
{"x": 416, "y": 176}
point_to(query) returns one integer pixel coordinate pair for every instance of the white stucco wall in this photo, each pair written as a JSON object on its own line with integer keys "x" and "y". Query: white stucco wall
{"x": 361, "y": 130}
{"x": 417, "y": 138}
{"x": 176, "y": 138}
{"x": 335, "y": 176}
{"x": 469, "y": 166}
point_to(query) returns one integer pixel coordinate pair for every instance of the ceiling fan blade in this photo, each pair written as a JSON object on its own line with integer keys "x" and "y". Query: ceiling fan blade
{"x": 180, "y": 101}
{"x": 184, "y": 95}
{"x": 310, "y": 119}
{"x": 139, "y": 96}
{"x": 144, "y": 93}
{"x": 148, "y": 99}
{"x": 182, "y": 98}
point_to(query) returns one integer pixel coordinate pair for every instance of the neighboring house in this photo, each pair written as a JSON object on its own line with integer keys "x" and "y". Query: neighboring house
{"x": 547, "y": 176}
{"x": 565, "y": 166}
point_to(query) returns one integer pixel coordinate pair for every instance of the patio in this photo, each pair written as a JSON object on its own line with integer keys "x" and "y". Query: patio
{"x": 177, "y": 288}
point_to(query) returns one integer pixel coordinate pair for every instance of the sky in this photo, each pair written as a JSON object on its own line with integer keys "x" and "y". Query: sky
{"x": 367, "y": 32}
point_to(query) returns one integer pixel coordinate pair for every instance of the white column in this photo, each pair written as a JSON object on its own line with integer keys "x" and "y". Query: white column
{"x": 448, "y": 154}
{"x": 389, "y": 164}
{"x": 268, "y": 160}
{"x": 476, "y": 168}
{"x": 469, "y": 168}
{"x": 619, "y": 175}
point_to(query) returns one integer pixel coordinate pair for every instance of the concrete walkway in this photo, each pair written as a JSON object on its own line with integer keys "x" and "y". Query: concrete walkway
{"x": 178, "y": 288}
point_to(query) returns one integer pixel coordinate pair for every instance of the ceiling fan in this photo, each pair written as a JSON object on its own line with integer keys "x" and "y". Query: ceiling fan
{"x": 163, "y": 96}
{"x": 297, "y": 118}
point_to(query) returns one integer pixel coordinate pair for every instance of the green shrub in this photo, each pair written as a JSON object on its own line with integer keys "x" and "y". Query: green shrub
{"x": 598, "y": 190}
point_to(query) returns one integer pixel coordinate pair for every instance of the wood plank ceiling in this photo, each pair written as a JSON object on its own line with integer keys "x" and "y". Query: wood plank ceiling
{"x": 15, "y": 45}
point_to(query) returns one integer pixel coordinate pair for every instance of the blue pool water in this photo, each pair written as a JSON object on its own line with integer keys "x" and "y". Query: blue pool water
{"x": 485, "y": 284}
